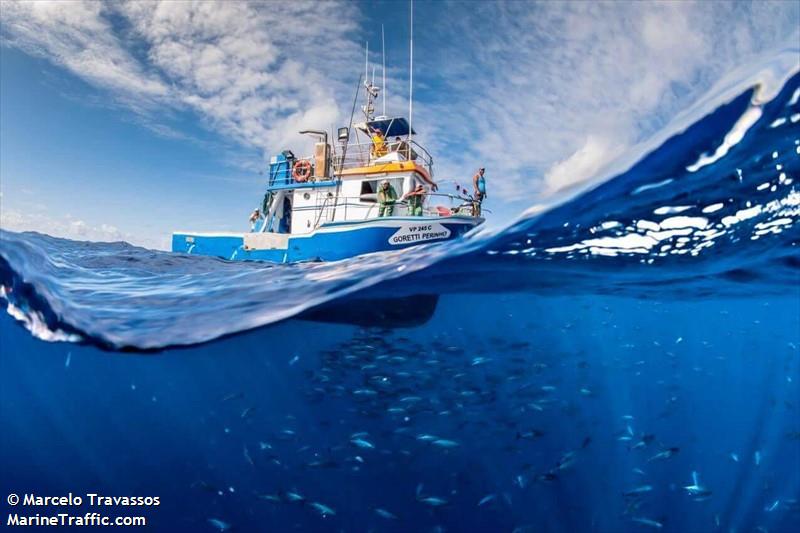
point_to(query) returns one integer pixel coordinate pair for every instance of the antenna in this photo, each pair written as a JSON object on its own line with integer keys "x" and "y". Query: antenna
{"x": 369, "y": 87}
{"x": 411, "y": 72}
{"x": 383, "y": 68}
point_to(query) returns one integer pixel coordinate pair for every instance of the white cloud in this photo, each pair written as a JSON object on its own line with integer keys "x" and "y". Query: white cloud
{"x": 256, "y": 73}
{"x": 549, "y": 102}
{"x": 78, "y": 36}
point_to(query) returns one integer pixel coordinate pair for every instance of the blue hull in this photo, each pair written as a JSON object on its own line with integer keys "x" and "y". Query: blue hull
{"x": 330, "y": 242}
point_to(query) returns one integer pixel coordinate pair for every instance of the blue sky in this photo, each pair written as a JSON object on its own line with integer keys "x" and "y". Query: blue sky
{"x": 127, "y": 120}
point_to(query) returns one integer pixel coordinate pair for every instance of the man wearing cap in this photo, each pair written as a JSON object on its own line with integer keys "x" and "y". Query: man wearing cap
{"x": 378, "y": 143}
{"x": 387, "y": 196}
{"x": 479, "y": 181}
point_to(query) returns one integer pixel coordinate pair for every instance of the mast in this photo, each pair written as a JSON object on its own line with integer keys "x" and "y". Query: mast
{"x": 370, "y": 88}
{"x": 411, "y": 72}
{"x": 383, "y": 68}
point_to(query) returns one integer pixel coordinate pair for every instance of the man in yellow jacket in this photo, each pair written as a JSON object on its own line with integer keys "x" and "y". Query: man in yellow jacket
{"x": 378, "y": 143}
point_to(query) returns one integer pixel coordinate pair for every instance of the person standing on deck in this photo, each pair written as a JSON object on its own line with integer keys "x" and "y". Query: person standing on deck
{"x": 402, "y": 148}
{"x": 255, "y": 216}
{"x": 387, "y": 197}
{"x": 414, "y": 201}
{"x": 479, "y": 182}
{"x": 378, "y": 143}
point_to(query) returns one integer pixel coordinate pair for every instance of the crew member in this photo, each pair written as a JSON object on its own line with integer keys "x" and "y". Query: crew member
{"x": 479, "y": 183}
{"x": 378, "y": 143}
{"x": 387, "y": 197}
{"x": 254, "y": 218}
{"x": 414, "y": 200}
{"x": 401, "y": 147}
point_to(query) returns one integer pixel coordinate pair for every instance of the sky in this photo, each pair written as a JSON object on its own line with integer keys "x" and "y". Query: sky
{"x": 128, "y": 120}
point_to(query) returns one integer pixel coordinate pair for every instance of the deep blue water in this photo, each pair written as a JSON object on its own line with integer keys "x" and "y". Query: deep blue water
{"x": 569, "y": 373}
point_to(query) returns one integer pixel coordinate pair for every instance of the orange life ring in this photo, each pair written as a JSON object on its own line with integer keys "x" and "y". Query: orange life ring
{"x": 301, "y": 170}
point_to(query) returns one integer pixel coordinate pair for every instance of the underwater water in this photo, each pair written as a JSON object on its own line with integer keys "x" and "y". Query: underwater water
{"x": 626, "y": 361}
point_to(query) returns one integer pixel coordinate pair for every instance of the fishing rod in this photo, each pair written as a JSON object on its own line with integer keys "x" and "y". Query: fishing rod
{"x": 344, "y": 150}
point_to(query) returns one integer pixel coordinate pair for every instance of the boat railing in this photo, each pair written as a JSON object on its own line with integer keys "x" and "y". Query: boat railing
{"x": 366, "y": 154}
{"x": 357, "y": 155}
{"x": 326, "y": 210}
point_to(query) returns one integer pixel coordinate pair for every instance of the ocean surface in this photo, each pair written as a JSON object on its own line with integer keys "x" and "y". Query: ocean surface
{"x": 627, "y": 360}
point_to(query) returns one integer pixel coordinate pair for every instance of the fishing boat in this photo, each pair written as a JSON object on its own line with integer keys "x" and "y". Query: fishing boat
{"x": 327, "y": 206}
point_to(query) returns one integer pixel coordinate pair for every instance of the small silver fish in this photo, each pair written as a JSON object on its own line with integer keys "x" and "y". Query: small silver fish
{"x": 219, "y": 524}
{"x": 410, "y": 399}
{"x": 433, "y": 501}
{"x": 773, "y": 506}
{"x": 445, "y": 443}
{"x": 322, "y": 509}
{"x": 638, "y": 490}
{"x": 647, "y": 522}
{"x": 294, "y": 497}
{"x": 567, "y": 460}
{"x": 666, "y": 454}
{"x": 383, "y": 513}
{"x": 486, "y": 499}
{"x": 696, "y": 490}
{"x": 361, "y": 443}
